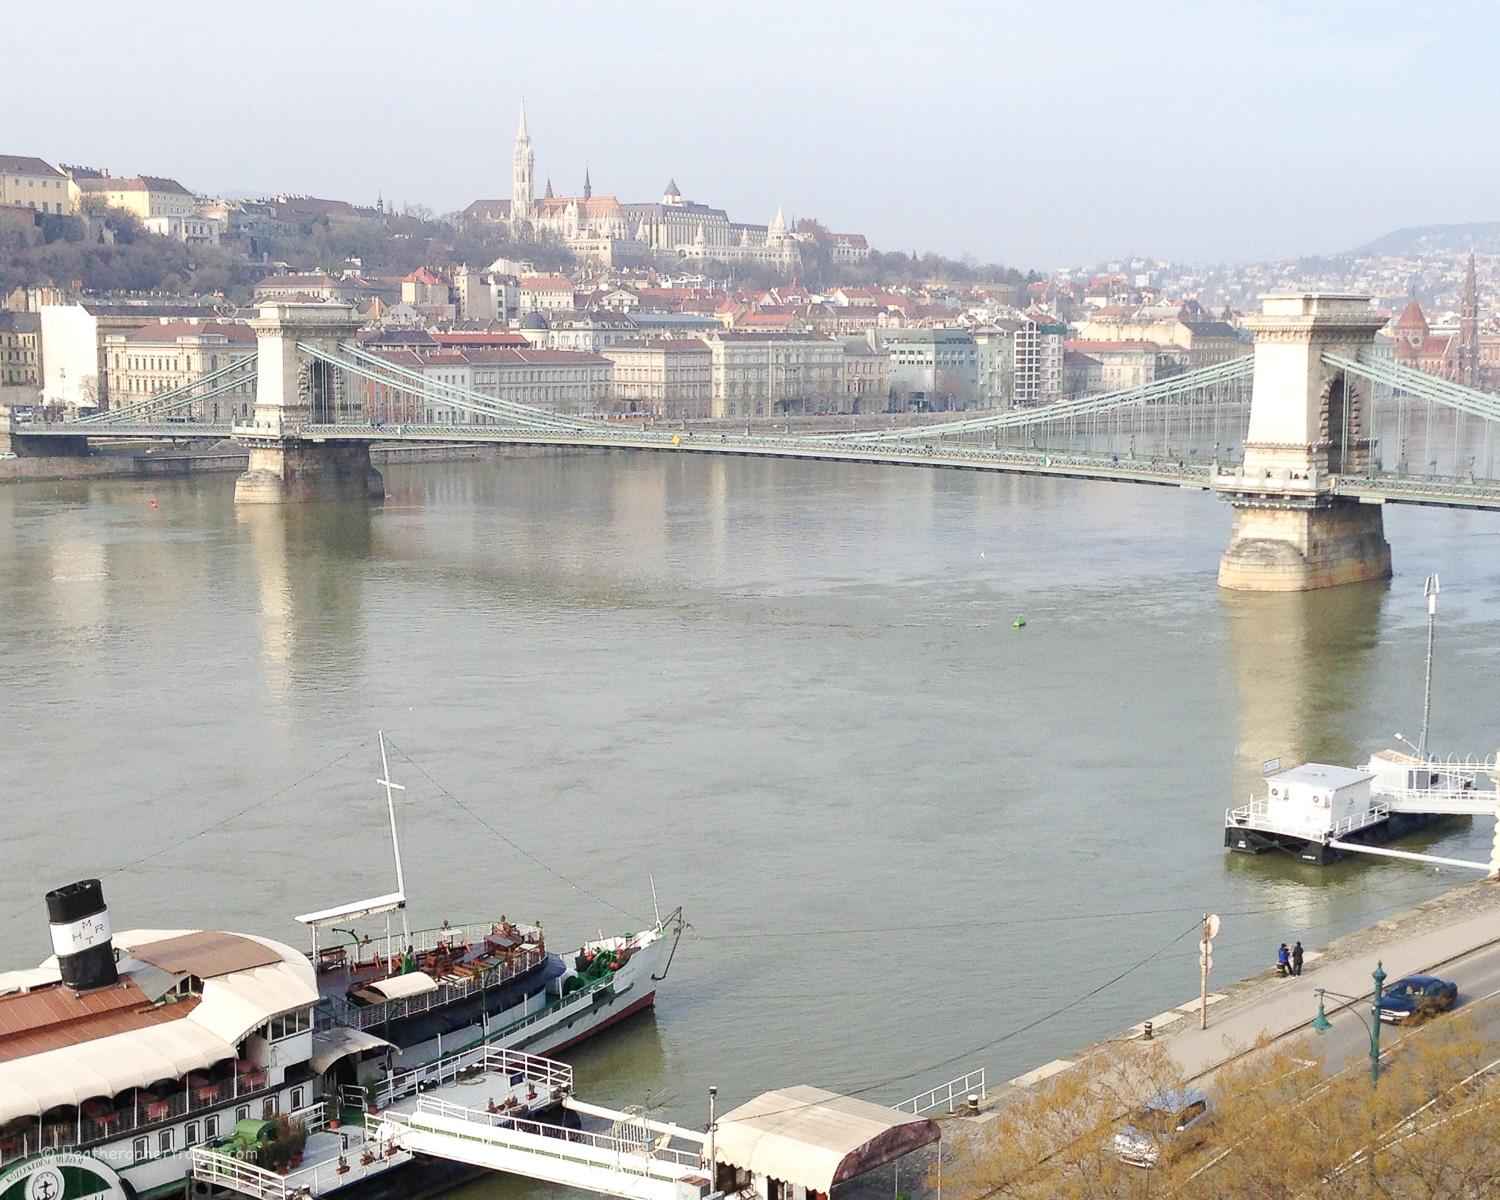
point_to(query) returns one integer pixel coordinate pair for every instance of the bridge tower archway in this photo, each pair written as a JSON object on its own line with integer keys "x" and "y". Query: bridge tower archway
{"x": 293, "y": 454}
{"x": 1309, "y": 424}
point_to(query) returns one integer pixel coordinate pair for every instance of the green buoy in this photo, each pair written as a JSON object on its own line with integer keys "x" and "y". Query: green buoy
{"x": 1018, "y": 623}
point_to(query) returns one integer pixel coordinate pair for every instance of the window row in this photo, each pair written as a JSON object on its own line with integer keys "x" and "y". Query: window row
{"x": 287, "y": 1025}
{"x": 206, "y": 1129}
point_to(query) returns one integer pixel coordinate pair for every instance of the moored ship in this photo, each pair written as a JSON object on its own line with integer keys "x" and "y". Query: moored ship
{"x": 125, "y": 1052}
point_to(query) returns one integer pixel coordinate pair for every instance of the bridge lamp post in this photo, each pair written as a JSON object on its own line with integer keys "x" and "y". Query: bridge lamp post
{"x": 1322, "y": 1024}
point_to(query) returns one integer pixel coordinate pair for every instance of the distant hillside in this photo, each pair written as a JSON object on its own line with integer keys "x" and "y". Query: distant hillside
{"x": 1443, "y": 239}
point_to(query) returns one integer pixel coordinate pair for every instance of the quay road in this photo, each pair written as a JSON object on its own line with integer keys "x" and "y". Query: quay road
{"x": 1478, "y": 978}
{"x": 1465, "y": 950}
{"x": 1448, "y": 492}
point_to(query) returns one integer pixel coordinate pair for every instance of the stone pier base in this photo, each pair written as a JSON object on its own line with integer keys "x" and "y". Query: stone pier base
{"x": 296, "y": 472}
{"x": 1299, "y": 549}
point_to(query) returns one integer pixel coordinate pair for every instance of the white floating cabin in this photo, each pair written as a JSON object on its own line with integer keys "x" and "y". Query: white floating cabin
{"x": 1316, "y": 810}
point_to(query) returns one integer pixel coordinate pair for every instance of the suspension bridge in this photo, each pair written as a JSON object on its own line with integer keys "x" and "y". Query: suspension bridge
{"x": 1307, "y": 437}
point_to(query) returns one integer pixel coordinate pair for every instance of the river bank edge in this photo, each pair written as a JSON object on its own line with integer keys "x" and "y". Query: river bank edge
{"x": 1478, "y": 898}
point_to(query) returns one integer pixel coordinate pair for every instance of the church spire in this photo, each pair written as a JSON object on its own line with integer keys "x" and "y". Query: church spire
{"x": 522, "y": 163}
{"x": 588, "y": 188}
{"x": 1468, "y": 328}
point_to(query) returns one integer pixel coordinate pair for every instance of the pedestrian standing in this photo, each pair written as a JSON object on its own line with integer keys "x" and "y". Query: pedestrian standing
{"x": 1297, "y": 959}
{"x": 1283, "y": 960}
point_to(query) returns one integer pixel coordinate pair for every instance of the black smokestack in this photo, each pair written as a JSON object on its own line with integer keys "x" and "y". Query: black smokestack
{"x": 81, "y": 936}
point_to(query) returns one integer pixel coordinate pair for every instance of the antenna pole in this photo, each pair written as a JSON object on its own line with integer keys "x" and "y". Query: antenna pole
{"x": 390, "y": 807}
{"x": 1430, "y": 590}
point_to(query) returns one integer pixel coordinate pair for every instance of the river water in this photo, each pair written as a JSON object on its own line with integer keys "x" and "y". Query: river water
{"x": 904, "y": 831}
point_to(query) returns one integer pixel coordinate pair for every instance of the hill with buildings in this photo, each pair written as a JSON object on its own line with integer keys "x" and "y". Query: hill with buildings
{"x": 1419, "y": 240}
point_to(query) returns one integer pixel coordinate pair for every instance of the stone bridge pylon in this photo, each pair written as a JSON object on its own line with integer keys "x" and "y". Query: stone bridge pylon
{"x": 293, "y": 392}
{"x": 1309, "y": 422}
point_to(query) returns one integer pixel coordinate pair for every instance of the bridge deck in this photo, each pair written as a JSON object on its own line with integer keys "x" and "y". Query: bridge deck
{"x": 1463, "y": 492}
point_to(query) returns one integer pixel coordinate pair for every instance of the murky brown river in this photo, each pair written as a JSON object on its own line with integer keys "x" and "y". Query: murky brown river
{"x": 903, "y": 830}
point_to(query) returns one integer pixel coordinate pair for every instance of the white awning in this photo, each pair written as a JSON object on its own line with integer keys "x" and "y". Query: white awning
{"x": 816, "y": 1138}
{"x": 232, "y": 1006}
{"x": 237, "y": 1004}
{"x": 398, "y": 987}
{"x": 107, "y": 1066}
{"x": 353, "y": 912}
{"x": 333, "y": 1044}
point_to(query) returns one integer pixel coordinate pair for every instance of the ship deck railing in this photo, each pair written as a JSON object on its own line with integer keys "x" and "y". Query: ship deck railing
{"x": 423, "y": 940}
{"x": 146, "y": 1115}
{"x": 547, "y": 1076}
{"x": 330, "y": 1160}
{"x": 1454, "y": 801}
{"x": 579, "y": 999}
{"x": 336, "y": 1010}
{"x": 594, "y": 1145}
{"x": 1254, "y": 816}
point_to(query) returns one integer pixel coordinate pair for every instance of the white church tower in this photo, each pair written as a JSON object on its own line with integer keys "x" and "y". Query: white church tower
{"x": 521, "y": 189}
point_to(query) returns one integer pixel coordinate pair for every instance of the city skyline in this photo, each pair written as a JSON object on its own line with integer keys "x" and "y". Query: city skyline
{"x": 1035, "y": 139}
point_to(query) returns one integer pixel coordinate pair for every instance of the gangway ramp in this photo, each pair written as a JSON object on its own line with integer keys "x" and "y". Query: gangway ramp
{"x": 1477, "y": 802}
{"x": 635, "y": 1160}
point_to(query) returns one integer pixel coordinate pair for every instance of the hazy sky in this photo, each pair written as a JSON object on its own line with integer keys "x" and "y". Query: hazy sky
{"x": 1035, "y": 134}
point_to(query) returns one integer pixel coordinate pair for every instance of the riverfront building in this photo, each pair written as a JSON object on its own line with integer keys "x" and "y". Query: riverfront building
{"x": 563, "y": 381}
{"x": 662, "y": 377}
{"x": 767, "y": 375}
{"x": 156, "y": 358}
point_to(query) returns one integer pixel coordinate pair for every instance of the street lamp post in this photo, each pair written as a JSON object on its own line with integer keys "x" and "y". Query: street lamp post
{"x": 1321, "y": 1022}
{"x": 713, "y": 1128}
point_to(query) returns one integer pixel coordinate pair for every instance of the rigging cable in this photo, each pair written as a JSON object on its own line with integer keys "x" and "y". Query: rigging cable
{"x": 518, "y": 849}
{"x": 207, "y": 829}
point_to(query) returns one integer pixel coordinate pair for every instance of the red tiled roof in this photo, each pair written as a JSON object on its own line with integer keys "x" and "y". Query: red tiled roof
{"x": 172, "y": 330}
{"x": 487, "y": 355}
{"x": 546, "y": 283}
{"x": 1097, "y": 345}
{"x": 1412, "y": 318}
{"x": 21, "y": 164}
{"x": 488, "y": 210}
{"x": 480, "y": 339}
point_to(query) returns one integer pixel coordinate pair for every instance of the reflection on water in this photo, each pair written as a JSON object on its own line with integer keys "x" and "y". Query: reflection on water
{"x": 307, "y": 561}
{"x": 1302, "y": 662}
{"x": 792, "y": 693}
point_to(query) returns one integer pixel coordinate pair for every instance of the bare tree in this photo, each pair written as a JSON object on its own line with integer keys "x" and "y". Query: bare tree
{"x": 1283, "y": 1127}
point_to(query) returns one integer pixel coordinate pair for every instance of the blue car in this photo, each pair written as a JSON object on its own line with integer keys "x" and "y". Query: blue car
{"x": 1416, "y": 996}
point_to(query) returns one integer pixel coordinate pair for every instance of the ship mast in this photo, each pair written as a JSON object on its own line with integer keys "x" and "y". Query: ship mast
{"x": 390, "y": 806}
{"x": 1430, "y": 590}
